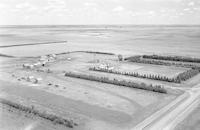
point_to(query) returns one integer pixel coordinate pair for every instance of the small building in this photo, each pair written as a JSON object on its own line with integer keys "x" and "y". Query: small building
{"x": 28, "y": 66}
{"x": 53, "y": 56}
{"x": 38, "y": 64}
{"x": 43, "y": 63}
{"x": 37, "y": 80}
{"x": 43, "y": 58}
{"x": 30, "y": 78}
{"x": 25, "y": 66}
{"x": 110, "y": 68}
{"x": 31, "y": 66}
{"x": 120, "y": 57}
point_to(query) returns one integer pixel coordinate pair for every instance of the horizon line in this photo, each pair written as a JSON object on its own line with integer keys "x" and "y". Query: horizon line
{"x": 99, "y": 24}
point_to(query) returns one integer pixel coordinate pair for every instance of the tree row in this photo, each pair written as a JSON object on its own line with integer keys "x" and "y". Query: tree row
{"x": 131, "y": 84}
{"x": 172, "y": 58}
{"x": 181, "y": 77}
{"x": 139, "y": 59}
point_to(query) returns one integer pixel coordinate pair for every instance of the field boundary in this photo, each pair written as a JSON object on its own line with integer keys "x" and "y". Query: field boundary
{"x": 31, "y": 44}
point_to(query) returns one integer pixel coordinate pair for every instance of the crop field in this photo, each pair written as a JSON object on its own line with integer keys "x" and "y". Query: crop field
{"x": 127, "y": 40}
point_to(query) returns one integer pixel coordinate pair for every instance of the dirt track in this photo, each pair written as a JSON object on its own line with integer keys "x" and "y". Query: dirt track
{"x": 172, "y": 114}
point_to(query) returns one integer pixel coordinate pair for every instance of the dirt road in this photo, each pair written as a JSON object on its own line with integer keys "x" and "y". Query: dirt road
{"x": 168, "y": 117}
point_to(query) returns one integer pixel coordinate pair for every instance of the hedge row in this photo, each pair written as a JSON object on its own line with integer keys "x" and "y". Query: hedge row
{"x": 97, "y": 52}
{"x": 51, "y": 117}
{"x": 155, "y": 88}
{"x": 94, "y": 52}
{"x": 181, "y": 77}
{"x": 139, "y": 59}
{"x": 172, "y": 58}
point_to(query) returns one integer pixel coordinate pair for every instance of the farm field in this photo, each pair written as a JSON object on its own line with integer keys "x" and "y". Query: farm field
{"x": 126, "y": 40}
{"x": 51, "y": 85}
{"x": 129, "y": 105}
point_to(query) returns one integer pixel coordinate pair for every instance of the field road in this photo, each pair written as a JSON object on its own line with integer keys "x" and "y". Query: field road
{"x": 30, "y": 44}
{"x": 168, "y": 117}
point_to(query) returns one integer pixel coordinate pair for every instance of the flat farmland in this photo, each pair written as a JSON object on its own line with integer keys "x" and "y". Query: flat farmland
{"x": 128, "y": 40}
{"x": 92, "y": 104}
{"x": 44, "y": 96}
{"x": 123, "y": 106}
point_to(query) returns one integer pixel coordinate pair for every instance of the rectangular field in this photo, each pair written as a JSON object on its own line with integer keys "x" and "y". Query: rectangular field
{"x": 168, "y": 71}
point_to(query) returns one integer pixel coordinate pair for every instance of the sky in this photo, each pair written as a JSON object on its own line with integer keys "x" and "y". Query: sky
{"x": 42, "y": 12}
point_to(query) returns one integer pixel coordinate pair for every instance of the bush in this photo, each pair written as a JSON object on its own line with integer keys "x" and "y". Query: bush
{"x": 155, "y": 88}
{"x": 120, "y": 57}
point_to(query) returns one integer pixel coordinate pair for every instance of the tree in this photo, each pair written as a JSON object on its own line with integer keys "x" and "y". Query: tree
{"x": 120, "y": 57}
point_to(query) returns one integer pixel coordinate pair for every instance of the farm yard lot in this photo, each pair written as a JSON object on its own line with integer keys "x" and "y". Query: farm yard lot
{"x": 81, "y": 58}
{"x": 98, "y": 104}
{"x": 80, "y": 62}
